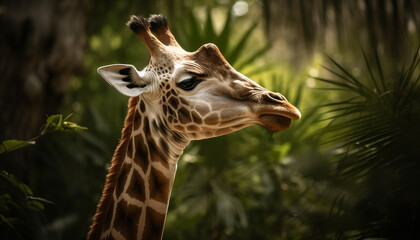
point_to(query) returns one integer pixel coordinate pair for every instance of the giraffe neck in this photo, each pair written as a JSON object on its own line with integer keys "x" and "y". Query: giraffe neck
{"x": 135, "y": 201}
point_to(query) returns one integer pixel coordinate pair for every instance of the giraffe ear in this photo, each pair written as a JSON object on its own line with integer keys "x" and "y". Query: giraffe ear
{"x": 125, "y": 78}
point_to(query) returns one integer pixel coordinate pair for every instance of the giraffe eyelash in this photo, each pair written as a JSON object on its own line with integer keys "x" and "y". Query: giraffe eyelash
{"x": 189, "y": 84}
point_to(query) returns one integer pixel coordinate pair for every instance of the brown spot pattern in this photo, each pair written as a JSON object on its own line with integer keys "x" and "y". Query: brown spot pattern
{"x": 165, "y": 109}
{"x": 171, "y": 112}
{"x": 136, "y": 188}
{"x": 154, "y": 224}
{"x": 159, "y": 186}
{"x": 130, "y": 148}
{"x": 122, "y": 178}
{"x": 142, "y": 107}
{"x": 137, "y": 120}
{"x": 142, "y": 154}
{"x": 196, "y": 118}
{"x": 184, "y": 116}
{"x": 192, "y": 128}
{"x": 212, "y": 119}
{"x": 146, "y": 127}
{"x": 179, "y": 128}
{"x": 202, "y": 109}
{"x": 183, "y": 101}
{"x": 109, "y": 213}
{"x": 174, "y": 102}
{"x": 156, "y": 155}
{"x": 126, "y": 219}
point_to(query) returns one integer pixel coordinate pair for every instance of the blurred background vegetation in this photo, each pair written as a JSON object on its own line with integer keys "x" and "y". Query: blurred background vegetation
{"x": 349, "y": 169}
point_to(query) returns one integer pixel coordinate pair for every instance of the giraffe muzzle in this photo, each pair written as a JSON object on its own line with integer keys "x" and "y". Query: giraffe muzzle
{"x": 275, "y": 113}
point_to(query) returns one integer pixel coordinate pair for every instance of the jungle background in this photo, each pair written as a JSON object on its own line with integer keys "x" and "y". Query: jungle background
{"x": 349, "y": 169}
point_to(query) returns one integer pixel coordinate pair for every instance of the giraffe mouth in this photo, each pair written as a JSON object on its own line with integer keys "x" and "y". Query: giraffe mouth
{"x": 277, "y": 114}
{"x": 276, "y": 118}
{"x": 275, "y": 123}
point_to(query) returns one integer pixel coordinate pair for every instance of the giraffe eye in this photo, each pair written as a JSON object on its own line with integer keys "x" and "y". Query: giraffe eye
{"x": 188, "y": 84}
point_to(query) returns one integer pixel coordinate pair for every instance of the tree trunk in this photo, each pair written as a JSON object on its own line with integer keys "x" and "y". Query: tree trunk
{"x": 41, "y": 46}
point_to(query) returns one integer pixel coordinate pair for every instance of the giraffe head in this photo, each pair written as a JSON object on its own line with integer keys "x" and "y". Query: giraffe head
{"x": 195, "y": 94}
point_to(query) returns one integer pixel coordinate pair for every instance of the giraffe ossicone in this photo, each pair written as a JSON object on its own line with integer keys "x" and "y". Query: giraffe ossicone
{"x": 178, "y": 97}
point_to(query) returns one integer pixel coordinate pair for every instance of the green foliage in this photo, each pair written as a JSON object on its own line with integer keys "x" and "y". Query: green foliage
{"x": 234, "y": 48}
{"x": 58, "y": 123}
{"x": 17, "y": 205}
{"x": 11, "y": 145}
{"x": 16, "y": 198}
{"x": 54, "y": 123}
{"x": 373, "y": 135}
{"x": 378, "y": 119}
{"x": 26, "y": 200}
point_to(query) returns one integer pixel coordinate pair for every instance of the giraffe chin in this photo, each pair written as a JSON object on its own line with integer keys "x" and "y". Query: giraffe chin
{"x": 274, "y": 123}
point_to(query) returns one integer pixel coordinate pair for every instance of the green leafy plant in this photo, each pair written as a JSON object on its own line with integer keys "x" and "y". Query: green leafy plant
{"x": 54, "y": 123}
{"x": 17, "y": 198}
{"x": 21, "y": 200}
{"x": 378, "y": 118}
{"x": 12, "y": 145}
{"x": 194, "y": 34}
{"x": 373, "y": 137}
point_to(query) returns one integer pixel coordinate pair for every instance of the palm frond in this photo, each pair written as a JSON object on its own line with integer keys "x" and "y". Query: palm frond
{"x": 373, "y": 137}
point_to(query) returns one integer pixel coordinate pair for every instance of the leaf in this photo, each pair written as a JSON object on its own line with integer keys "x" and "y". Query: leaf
{"x": 12, "y": 145}
{"x": 25, "y": 189}
{"x": 239, "y": 48}
{"x": 209, "y": 31}
{"x": 54, "y": 119}
{"x": 194, "y": 36}
{"x": 58, "y": 123}
{"x": 368, "y": 120}
{"x": 35, "y": 205}
{"x": 224, "y": 36}
{"x": 259, "y": 53}
{"x": 8, "y": 221}
{"x": 71, "y": 126}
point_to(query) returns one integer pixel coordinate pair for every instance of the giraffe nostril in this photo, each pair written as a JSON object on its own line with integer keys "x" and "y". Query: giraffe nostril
{"x": 274, "y": 97}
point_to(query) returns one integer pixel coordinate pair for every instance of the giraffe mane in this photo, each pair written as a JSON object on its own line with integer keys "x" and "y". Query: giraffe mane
{"x": 111, "y": 178}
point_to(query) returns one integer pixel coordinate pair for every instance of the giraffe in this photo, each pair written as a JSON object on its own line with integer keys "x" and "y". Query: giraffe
{"x": 178, "y": 97}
